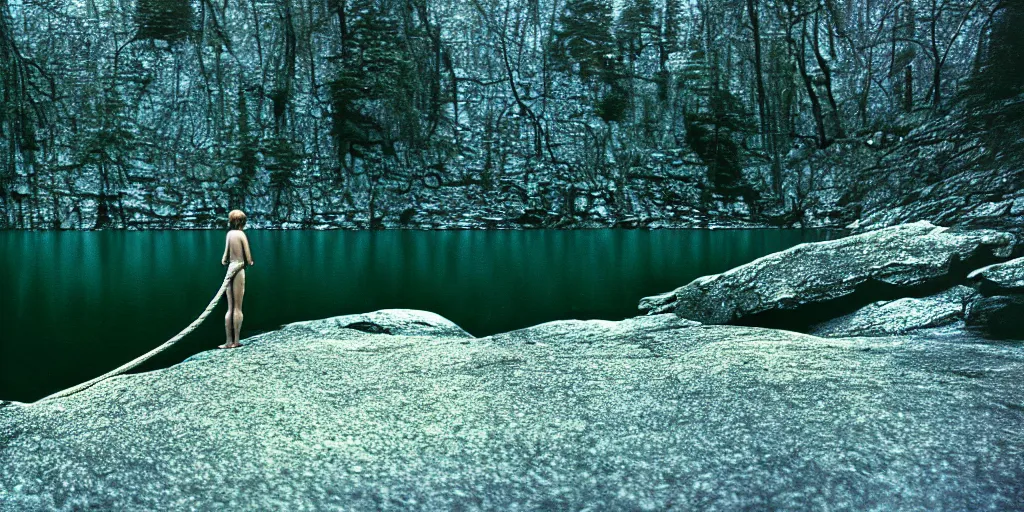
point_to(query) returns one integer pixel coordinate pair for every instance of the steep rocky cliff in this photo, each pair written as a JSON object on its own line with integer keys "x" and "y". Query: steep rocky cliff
{"x": 526, "y": 113}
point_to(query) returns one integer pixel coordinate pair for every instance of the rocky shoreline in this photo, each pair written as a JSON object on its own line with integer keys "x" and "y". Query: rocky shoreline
{"x": 906, "y": 400}
{"x": 425, "y": 218}
{"x": 892, "y": 280}
{"x": 468, "y": 223}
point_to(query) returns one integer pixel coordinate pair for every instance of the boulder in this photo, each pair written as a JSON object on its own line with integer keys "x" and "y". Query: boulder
{"x": 1000, "y": 314}
{"x": 1000, "y": 279}
{"x": 900, "y": 316}
{"x": 656, "y": 413}
{"x": 836, "y": 276}
{"x": 406, "y": 322}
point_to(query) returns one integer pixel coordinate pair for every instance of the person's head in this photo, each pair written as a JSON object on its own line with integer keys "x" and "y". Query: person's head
{"x": 236, "y": 219}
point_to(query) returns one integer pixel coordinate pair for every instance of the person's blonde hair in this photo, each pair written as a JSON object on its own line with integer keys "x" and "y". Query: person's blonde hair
{"x": 236, "y": 219}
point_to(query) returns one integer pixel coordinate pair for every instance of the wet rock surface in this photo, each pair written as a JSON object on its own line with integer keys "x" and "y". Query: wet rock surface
{"x": 900, "y": 316}
{"x": 651, "y": 413}
{"x": 839, "y": 275}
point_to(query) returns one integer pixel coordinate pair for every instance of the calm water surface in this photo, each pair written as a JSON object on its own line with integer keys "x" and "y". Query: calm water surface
{"x": 77, "y": 304}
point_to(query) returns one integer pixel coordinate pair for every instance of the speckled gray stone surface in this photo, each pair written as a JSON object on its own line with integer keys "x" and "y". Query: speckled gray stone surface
{"x": 900, "y": 316}
{"x": 385, "y": 321}
{"x": 908, "y": 255}
{"x": 651, "y": 413}
{"x": 1000, "y": 279}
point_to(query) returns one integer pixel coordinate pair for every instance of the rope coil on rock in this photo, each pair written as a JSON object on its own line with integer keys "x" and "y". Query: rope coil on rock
{"x": 232, "y": 270}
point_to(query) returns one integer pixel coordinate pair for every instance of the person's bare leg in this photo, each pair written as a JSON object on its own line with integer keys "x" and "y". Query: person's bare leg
{"x": 238, "y": 290}
{"x": 228, "y": 331}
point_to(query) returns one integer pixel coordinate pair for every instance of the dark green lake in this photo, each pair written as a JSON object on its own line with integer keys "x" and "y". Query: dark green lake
{"x": 77, "y": 304}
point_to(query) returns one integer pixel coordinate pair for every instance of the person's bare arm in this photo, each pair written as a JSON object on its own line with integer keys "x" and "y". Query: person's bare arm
{"x": 227, "y": 243}
{"x": 245, "y": 247}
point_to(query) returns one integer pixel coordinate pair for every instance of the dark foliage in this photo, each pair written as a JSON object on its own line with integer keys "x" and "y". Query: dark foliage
{"x": 169, "y": 20}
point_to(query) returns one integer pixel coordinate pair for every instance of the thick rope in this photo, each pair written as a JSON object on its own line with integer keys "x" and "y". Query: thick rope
{"x": 232, "y": 270}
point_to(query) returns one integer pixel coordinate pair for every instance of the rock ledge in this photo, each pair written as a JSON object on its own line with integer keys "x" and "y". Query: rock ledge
{"x": 651, "y": 413}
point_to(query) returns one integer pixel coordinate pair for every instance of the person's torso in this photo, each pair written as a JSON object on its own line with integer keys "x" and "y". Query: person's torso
{"x": 236, "y": 249}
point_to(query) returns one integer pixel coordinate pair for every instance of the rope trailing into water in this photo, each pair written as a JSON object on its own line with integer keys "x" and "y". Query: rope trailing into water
{"x": 232, "y": 270}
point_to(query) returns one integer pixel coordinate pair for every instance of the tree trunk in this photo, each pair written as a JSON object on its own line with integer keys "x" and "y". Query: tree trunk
{"x": 936, "y": 60}
{"x": 767, "y": 135}
{"x": 801, "y": 59}
{"x": 758, "y": 75}
{"x": 908, "y": 88}
{"x": 827, "y": 72}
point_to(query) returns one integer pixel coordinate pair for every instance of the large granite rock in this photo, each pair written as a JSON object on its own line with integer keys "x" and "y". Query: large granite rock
{"x": 407, "y": 322}
{"x": 901, "y": 316}
{"x": 910, "y": 259}
{"x": 1000, "y": 279}
{"x": 652, "y": 413}
{"x": 1000, "y": 314}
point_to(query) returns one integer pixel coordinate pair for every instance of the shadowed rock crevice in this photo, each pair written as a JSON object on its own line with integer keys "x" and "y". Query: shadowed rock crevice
{"x": 801, "y": 317}
{"x": 370, "y": 327}
{"x": 1005, "y": 278}
{"x": 1000, "y": 313}
{"x": 1000, "y": 317}
{"x": 901, "y": 316}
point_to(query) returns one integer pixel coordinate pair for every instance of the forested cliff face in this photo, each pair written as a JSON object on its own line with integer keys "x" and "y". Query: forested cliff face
{"x": 505, "y": 113}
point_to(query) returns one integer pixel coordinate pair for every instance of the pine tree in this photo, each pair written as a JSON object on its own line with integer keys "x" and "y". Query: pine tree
{"x": 711, "y": 134}
{"x": 282, "y": 163}
{"x": 1000, "y": 77}
{"x": 584, "y": 40}
{"x": 106, "y": 145}
{"x": 245, "y": 152}
{"x": 635, "y": 26}
{"x": 371, "y": 93}
{"x": 670, "y": 31}
{"x": 380, "y": 60}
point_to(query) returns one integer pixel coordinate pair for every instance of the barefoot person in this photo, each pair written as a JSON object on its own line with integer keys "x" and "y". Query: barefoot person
{"x": 236, "y": 248}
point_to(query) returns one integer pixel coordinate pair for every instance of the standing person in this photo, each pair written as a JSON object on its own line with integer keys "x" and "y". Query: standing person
{"x": 236, "y": 248}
